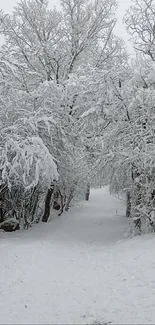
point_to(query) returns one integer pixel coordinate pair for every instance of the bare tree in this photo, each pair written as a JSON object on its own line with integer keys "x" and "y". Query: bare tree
{"x": 47, "y": 44}
{"x": 140, "y": 21}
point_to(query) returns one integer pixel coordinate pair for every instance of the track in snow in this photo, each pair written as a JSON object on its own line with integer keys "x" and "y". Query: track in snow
{"x": 76, "y": 269}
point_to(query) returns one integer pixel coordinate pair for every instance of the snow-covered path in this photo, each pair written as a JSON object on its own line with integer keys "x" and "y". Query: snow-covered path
{"x": 78, "y": 269}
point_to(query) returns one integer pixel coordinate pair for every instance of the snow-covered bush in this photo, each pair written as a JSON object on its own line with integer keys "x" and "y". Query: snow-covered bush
{"x": 129, "y": 144}
{"x": 26, "y": 165}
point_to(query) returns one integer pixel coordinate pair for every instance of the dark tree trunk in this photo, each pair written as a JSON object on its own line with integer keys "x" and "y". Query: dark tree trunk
{"x": 47, "y": 203}
{"x": 35, "y": 205}
{"x": 62, "y": 203}
{"x": 128, "y": 205}
{"x": 87, "y": 194}
{"x": 1, "y": 210}
{"x": 3, "y": 190}
{"x": 137, "y": 214}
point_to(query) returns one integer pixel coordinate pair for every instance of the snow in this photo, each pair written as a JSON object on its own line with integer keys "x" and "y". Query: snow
{"x": 90, "y": 111}
{"x": 78, "y": 269}
{"x": 10, "y": 221}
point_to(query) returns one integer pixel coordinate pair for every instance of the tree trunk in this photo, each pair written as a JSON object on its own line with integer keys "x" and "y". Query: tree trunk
{"x": 47, "y": 203}
{"x": 62, "y": 203}
{"x": 3, "y": 190}
{"x": 87, "y": 194}
{"x": 34, "y": 207}
{"x": 128, "y": 205}
{"x": 69, "y": 200}
{"x": 137, "y": 213}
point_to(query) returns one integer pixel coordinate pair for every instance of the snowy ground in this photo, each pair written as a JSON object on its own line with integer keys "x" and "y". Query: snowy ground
{"x": 78, "y": 269}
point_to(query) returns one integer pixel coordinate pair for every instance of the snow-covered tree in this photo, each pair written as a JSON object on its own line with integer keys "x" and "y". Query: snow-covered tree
{"x": 128, "y": 149}
{"x": 25, "y": 161}
{"x": 140, "y": 22}
{"x": 57, "y": 71}
{"x": 47, "y": 44}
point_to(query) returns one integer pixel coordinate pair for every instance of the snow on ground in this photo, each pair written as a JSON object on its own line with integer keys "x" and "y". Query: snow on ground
{"x": 78, "y": 269}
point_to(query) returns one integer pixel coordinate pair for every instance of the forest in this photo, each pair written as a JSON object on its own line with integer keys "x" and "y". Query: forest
{"x": 76, "y": 110}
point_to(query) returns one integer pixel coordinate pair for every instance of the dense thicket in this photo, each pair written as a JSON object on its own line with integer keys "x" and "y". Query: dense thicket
{"x": 74, "y": 111}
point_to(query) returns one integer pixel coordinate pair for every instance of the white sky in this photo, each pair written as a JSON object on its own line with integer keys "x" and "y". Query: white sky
{"x": 7, "y": 6}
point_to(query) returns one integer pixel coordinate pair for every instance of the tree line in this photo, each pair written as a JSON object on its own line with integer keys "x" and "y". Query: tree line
{"x": 75, "y": 110}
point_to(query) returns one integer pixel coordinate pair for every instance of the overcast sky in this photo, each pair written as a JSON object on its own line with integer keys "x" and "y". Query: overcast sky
{"x": 7, "y": 6}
